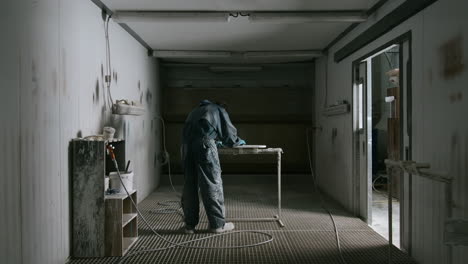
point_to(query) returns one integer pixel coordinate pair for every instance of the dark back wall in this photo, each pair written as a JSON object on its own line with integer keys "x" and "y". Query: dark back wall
{"x": 271, "y": 106}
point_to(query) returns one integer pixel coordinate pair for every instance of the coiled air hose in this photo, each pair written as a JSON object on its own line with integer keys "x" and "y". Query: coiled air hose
{"x": 183, "y": 244}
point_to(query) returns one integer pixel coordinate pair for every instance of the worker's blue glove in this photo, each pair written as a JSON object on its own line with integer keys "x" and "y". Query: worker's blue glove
{"x": 242, "y": 142}
{"x": 219, "y": 144}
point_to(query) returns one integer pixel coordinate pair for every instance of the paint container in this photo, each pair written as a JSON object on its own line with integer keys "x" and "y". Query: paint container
{"x": 108, "y": 133}
{"x": 106, "y": 183}
{"x": 127, "y": 178}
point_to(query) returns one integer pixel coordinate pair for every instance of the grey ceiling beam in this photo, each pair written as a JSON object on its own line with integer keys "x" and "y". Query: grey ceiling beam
{"x": 106, "y": 11}
{"x": 187, "y": 54}
{"x": 369, "y": 12}
{"x": 376, "y": 7}
{"x": 400, "y": 14}
{"x": 127, "y": 16}
{"x": 204, "y": 65}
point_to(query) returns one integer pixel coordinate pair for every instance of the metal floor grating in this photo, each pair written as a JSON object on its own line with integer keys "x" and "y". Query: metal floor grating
{"x": 308, "y": 236}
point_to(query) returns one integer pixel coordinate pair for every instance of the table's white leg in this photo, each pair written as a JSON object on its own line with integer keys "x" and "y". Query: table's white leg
{"x": 279, "y": 187}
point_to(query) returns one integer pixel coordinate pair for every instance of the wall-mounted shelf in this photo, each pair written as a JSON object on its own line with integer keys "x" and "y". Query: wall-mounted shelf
{"x": 338, "y": 109}
{"x": 125, "y": 109}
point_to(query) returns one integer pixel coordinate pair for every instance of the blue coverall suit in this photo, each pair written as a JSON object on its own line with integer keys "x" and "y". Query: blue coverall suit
{"x": 205, "y": 124}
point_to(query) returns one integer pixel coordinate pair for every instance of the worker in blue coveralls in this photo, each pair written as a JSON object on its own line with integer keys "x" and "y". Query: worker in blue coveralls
{"x": 206, "y": 127}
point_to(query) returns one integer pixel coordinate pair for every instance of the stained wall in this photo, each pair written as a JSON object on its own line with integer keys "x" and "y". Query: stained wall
{"x": 440, "y": 130}
{"x": 53, "y": 90}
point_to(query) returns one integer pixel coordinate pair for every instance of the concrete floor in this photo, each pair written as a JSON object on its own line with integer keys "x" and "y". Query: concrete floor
{"x": 380, "y": 216}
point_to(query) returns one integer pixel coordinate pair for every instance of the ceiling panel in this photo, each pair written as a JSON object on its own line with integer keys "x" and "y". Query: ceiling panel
{"x": 238, "y": 34}
{"x": 233, "y": 5}
{"x": 240, "y": 60}
{"x": 242, "y": 36}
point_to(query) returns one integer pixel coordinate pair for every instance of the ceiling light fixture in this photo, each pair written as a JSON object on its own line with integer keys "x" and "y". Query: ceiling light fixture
{"x": 270, "y": 54}
{"x": 184, "y": 54}
{"x": 156, "y": 16}
{"x": 235, "y": 68}
{"x": 305, "y": 17}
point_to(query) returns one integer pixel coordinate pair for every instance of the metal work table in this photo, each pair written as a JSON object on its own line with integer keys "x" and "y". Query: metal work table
{"x": 259, "y": 151}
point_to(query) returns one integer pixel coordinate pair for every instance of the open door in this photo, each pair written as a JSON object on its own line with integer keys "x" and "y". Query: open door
{"x": 361, "y": 141}
{"x": 382, "y": 130}
{"x": 394, "y": 142}
{"x": 405, "y": 110}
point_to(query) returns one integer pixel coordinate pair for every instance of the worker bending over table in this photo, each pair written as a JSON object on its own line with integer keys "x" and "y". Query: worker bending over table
{"x": 207, "y": 126}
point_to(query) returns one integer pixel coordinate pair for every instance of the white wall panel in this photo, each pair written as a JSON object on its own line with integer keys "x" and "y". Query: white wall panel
{"x": 54, "y": 90}
{"x": 39, "y": 122}
{"x": 10, "y": 228}
{"x": 333, "y": 157}
{"x": 440, "y": 129}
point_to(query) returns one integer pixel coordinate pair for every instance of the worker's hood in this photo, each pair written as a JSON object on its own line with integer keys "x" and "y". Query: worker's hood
{"x": 205, "y": 102}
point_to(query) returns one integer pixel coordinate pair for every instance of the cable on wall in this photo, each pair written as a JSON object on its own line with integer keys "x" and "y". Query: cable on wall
{"x": 108, "y": 75}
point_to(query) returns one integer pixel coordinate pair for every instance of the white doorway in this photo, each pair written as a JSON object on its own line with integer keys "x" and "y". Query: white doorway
{"x": 380, "y": 132}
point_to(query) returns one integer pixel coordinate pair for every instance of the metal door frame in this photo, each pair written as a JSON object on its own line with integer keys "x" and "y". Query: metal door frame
{"x": 364, "y": 210}
{"x": 361, "y": 199}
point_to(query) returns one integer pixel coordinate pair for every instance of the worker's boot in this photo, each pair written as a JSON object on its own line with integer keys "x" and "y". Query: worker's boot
{"x": 189, "y": 230}
{"x": 227, "y": 227}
